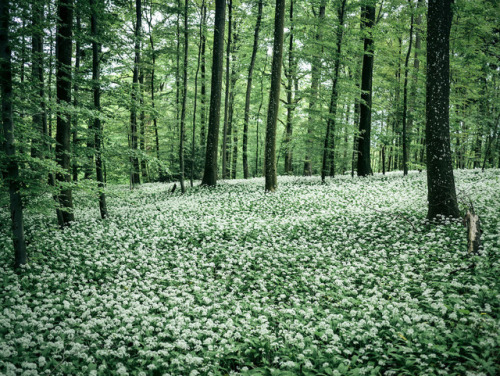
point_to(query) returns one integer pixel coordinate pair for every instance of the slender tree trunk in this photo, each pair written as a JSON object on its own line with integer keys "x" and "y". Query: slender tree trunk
{"x": 142, "y": 127}
{"x": 231, "y": 124}
{"x": 416, "y": 67}
{"x": 134, "y": 176}
{"x": 49, "y": 84}
{"x": 315, "y": 76}
{"x": 405, "y": 99}
{"x": 225, "y": 148}
{"x": 290, "y": 97}
{"x": 184, "y": 98}
{"x": 257, "y": 133}
{"x": 203, "y": 93}
{"x": 193, "y": 148}
{"x": 249, "y": 89}
{"x": 11, "y": 172}
{"x": 274, "y": 99}
{"x": 440, "y": 181}
{"x": 329, "y": 146}
{"x": 161, "y": 174}
{"x": 210, "y": 173}
{"x": 97, "y": 7}
{"x": 63, "y": 78}
{"x": 40, "y": 113}
{"x": 365, "y": 118}
{"x": 76, "y": 88}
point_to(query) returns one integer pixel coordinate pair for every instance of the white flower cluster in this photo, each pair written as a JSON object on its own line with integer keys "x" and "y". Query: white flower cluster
{"x": 346, "y": 277}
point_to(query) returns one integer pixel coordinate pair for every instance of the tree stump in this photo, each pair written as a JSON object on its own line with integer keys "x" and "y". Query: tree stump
{"x": 473, "y": 224}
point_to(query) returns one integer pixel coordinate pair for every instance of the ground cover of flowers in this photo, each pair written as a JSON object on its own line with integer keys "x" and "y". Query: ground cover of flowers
{"x": 346, "y": 278}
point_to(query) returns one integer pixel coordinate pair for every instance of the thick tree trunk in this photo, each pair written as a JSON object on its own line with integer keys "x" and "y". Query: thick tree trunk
{"x": 63, "y": 83}
{"x": 249, "y": 90}
{"x": 11, "y": 171}
{"x": 225, "y": 134}
{"x": 210, "y": 173}
{"x": 440, "y": 181}
{"x": 274, "y": 99}
{"x": 182, "y": 133}
{"x": 315, "y": 76}
{"x": 329, "y": 145}
{"x": 365, "y": 118}
{"x": 97, "y": 9}
{"x": 134, "y": 176}
{"x": 405, "y": 99}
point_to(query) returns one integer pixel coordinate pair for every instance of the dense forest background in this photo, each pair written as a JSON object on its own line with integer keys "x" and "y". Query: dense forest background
{"x": 158, "y": 68}
{"x": 141, "y": 145}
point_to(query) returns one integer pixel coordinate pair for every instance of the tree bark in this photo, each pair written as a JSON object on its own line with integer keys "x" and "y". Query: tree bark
{"x": 315, "y": 76}
{"x": 290, "y": 97}
{"x": 249, "y": 90}
{"x": 161, "y": 174}
{"x": 40, "y": 114}
{"x": 225, "y": 135}
{"x": 11, "y": 172}
{"x": 271, "y": 179}
{"x": 63, "y": 84}
{"x": 440, "y": 181}
{"x": 76, "y": 88}
{"x": 182, "y": 133}
{"x": 365, "y": 118}
{"x": 329, "y": 146}
{"x": 203, "y": 91}
{"x": 96, "y": 72}
{"x": 135, "y": 177}
{"x": 210, "y": 172}
{"x": 193, "y": 148}
{"x": 405, "y": 98}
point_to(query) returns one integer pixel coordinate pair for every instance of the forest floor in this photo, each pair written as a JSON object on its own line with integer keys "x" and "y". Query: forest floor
{"x": 346, "y": 278}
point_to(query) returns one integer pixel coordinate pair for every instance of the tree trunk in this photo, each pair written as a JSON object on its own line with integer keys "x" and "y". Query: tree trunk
{"x": 405, "y": 99}
{"x": 161, "y": 174}
{"x": 365, "y": 118}
{"x": 315, "y": 76}
{"x": 231, "y": 123}
{"x": 184, "y": 98}
{"x": 203, "y": 93}
{"x": 290, "y": 98}
{"x": 11, "y": 172}
{"x": 134, "y": 176}
{"x": 96, "y": 72}
{"x": 416, "y": 67}
{"x": 329, "y": 146}
{"x": 257, "y": 133}
{"x": 142, "y": 127}
{"x": 76, "y": 88}
{"x": 440, "y": 181}
{"x": 210, "y": 173}
{"x": 38, "y": 149}
{"x": 274, "y": 99}
{"x": 225, "y": 149}
{"x": 63, "y": 83}
{"x": 193, "y": 148}
{"x": 249, "y": 89}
